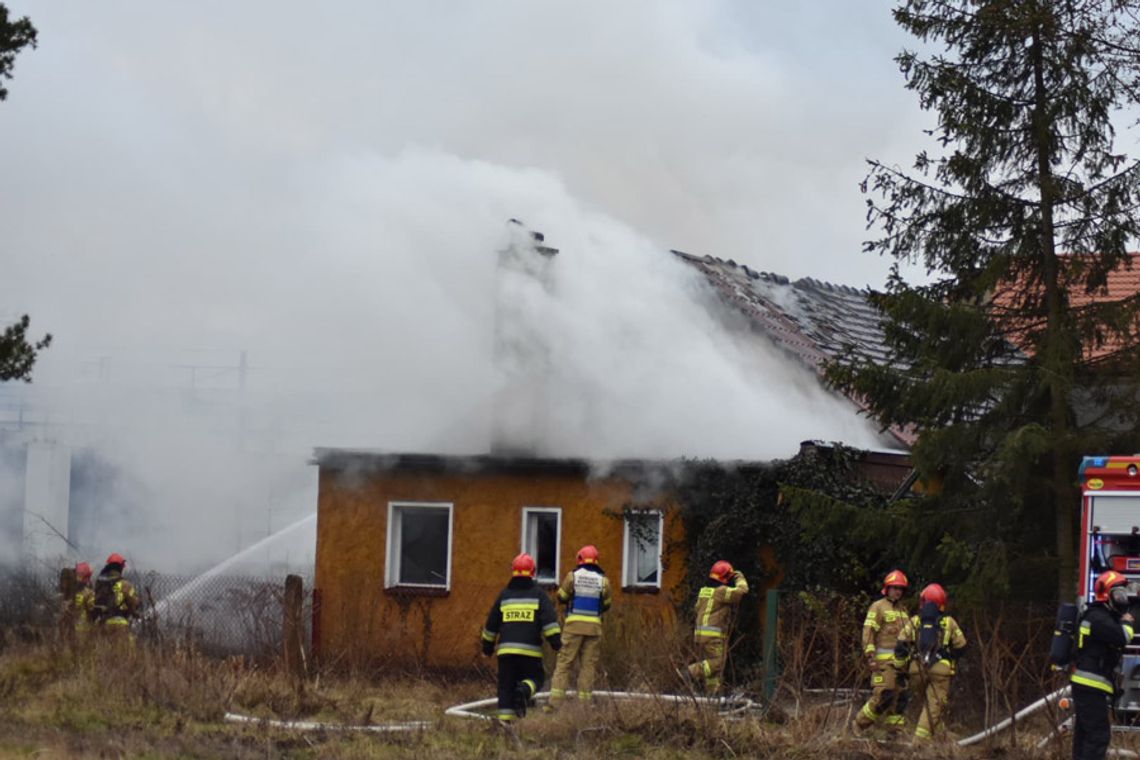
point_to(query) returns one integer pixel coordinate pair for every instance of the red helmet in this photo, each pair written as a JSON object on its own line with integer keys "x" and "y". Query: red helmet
{"x": 895, "y": 578}
{"x": 1105, "y": 582}
{"x": 82, "y": 572}
{"x": 523, "y": 565}
{"x": 934, "y": 593}
{"x": 588, "y": 555}
{"x": 721, "y": 571}
{"x": 116, "y": 559}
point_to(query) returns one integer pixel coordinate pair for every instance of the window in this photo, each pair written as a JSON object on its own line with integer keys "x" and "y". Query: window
{"x": 641, "y": 563}
{"x": 419, "y": 545}
{"x": 541, "y": 539}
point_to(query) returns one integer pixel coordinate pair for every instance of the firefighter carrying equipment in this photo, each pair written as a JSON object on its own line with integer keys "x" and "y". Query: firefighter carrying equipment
{"x": 1102, "y": 635}
{"x": 520, "y": 619}
{"x": 881, "y": 628}
{"x": 933, "y": 642}
{"x": 116, "y": 600}
{"x": 895, "y": 578}
{"x": 586, "y": 593}
{"x": 715, "y": 606}
{"x": 1101, "y": 638}
{"x": 1064, "y": 643}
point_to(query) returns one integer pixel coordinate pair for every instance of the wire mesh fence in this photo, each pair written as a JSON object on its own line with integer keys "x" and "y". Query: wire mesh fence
{"x": 221, "y": 615}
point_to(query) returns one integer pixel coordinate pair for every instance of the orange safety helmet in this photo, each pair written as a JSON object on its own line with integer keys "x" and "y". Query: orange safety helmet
{"x": 82, "y": 572}
{"x": 588, "y": 555}
{"x": 523, "y": 566}
{"x": 895, "y": 578}
{"x": 721, "y": 571}
{"x": 934, "y": 593}
{"x": 116, "y": 559}
{"x": 1106, "y": 582}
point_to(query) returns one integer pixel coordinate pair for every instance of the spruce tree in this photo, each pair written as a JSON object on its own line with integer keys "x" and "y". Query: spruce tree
{"x": 1023, "y": 203}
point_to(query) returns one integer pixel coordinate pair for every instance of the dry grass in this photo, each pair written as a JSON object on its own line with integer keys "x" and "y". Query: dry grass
{"x": 165, "y": 701}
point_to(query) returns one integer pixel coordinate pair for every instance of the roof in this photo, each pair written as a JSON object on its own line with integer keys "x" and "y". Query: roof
{"x": 1122, "y": 283}
{"x": 813, "y": 321}
{"x": 371, "y": 460}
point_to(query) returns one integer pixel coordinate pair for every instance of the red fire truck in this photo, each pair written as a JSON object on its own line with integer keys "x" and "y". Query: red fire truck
{"x": 1110, "y": 540}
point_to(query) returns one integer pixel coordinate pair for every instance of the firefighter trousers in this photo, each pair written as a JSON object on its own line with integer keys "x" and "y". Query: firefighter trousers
{"x": 710, "y": 650}
{"x": 1091, "y": 729}
{"x": 520, "y": 677}
{"x": 933, "y": 688}
{"x": 584, "y": 649}
{"x": 886, "y": 702}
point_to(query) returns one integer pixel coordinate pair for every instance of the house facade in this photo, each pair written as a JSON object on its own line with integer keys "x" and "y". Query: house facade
{"x": 413, "y": 549}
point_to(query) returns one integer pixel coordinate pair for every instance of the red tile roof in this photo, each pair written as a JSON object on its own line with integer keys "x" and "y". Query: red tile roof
{"x": 1123, "y": 283}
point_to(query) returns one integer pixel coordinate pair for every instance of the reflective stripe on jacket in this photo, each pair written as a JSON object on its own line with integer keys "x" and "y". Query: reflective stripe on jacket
{"x": 587, "y": 592}
{"x": 714, "y": 608}
{"x": 1101, "y": 638}
{"x": 885, "y": 620}
{"x": 521, "y": 618}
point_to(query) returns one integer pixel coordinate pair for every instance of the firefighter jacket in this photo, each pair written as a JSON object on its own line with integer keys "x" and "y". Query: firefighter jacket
{"x": 715, "y": 605}
{"x": 520, "y": 619}
{"x": 881, "y": 628}
{"x": 586, "y": 592}
{"x": 1101, "y": 637}
{"x": 943, "y": 659}
{"x": 83, "y": 608}
{"x": 116, "y": 600}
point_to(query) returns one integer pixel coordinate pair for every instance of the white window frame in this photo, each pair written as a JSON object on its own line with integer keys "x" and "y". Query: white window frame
{"x": 627, "y": 579}
{"x": 557, "y": 539}
{"x": 392, "y": 565}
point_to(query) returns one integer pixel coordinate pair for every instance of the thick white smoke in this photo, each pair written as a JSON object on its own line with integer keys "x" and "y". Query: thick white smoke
{"x": 327, "y": 194}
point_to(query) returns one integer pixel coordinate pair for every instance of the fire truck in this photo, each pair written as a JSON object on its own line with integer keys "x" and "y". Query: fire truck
{"x": 1110, "y": 540}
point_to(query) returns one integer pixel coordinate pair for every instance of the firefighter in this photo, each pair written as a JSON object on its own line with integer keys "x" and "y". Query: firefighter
{"x": 586, "y": 592}
{"x": 1104, "y": 630}
{"x": 520, "y": 619}
{"x": 932, "y": 642}
{"x": 885, "y": 620}
{"x": 715, "y": 604}
{"x": 116, "y": 602}
{"x": 83, "y": 605}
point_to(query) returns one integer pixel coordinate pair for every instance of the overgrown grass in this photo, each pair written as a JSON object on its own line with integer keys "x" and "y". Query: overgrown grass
{"x": 110, "y": 699}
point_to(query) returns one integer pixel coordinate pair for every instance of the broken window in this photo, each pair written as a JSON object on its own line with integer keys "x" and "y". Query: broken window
{"x": 641, "y": 565}
{"x": 419, "y": 545}
{"x": 541, "y": 539}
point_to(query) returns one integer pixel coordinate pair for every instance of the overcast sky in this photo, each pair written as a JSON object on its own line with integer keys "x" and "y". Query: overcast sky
{"x": 323, "y": 186}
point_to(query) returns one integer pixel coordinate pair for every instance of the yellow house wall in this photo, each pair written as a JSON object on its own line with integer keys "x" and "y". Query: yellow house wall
{"x": 360, "y": 620}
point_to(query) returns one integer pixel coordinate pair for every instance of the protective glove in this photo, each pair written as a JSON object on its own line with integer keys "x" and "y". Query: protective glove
{"x": 488, "y": 648}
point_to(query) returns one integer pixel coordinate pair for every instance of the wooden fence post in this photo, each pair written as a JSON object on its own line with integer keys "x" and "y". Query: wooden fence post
{"x": 68, "y": 588}
{"x": 291, "y": 628}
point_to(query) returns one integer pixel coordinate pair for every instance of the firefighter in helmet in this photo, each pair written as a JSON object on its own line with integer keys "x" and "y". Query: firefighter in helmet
{"x": 83, "y": 604}
{"x": 116, "y": 600}
{"x": 716, "y": 602}
{"x": 586, "y": 593}
{"x": 885, "y": 620}
{"x": 520, "y": 619}
{"x": 1106, "y": 627}
{"x": 932, "y": 642}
